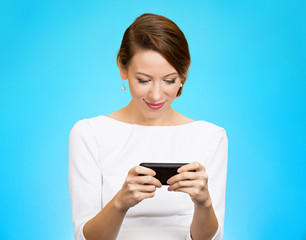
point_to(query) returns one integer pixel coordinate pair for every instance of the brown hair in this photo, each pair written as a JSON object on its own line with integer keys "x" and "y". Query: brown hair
{"x": 158, "y": 33}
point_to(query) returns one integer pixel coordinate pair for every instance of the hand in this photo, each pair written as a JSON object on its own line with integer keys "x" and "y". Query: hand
{"x": 139, "y": 184}
{"x": 193, "y": 183}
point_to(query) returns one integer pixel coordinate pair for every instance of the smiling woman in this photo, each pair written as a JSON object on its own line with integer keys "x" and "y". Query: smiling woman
{"x": 154, "y": 84}
{"x": 154, "y": 57}
{"x": 112, "y": 196}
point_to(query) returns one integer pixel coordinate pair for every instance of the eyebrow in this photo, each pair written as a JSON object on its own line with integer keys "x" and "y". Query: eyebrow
{"x": 151, "y": 76}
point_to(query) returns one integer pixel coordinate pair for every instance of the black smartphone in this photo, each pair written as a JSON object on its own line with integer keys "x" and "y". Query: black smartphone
{"x": 164, "y": 171}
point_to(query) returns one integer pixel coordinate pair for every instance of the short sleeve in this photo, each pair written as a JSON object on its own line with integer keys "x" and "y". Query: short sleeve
{"x": 216, "y": 169}
{"x": 85, "y": 178}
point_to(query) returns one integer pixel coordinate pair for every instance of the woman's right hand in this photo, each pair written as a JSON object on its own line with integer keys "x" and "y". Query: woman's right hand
{"x": 139, "y": 185}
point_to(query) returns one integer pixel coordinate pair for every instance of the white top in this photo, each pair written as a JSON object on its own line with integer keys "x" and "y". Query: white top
{"x": 101, "y": 152}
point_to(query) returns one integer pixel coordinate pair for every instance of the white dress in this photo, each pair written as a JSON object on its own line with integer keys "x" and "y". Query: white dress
{"x": 101, "y": 152}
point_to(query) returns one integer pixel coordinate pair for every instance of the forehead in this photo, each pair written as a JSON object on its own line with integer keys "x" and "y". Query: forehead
{"x": 150, "y": 62}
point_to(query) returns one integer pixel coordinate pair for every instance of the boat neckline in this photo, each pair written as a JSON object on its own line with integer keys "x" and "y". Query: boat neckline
{"x": 150, "y": 126}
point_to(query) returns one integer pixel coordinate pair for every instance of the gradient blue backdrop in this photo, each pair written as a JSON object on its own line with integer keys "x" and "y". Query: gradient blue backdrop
{"x": 58, "y": 65}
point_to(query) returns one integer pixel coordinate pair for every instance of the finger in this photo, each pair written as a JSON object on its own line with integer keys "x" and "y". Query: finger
{"x": 194, "y": 166}
{"x": 185, "y": 176}
{"x": 147, "y": 195}
{"x": 140, "y": 170}
{"x": 194, "y": 184}
{"x": 146, "y": 188}
{"x": 188, "y": 190}
{"x": 197, "y": 195}
{"x": 150, "y": 180}
{"x": 143, "y": 180}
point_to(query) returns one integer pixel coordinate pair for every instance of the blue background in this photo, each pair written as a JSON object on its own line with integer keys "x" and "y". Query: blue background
{"x": 58, "y": 65}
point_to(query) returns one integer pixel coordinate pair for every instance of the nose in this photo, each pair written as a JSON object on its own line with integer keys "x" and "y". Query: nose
{"x": 155, "y": 93}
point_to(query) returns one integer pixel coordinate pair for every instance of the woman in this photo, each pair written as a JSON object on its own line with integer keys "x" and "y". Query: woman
{"x": 115, "y": 198}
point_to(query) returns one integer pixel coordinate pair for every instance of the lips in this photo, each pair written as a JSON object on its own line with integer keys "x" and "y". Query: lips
{"x": 155, "y": 105}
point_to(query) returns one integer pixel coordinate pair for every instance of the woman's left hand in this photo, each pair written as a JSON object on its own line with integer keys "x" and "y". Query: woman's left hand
{"x": 194, "y": 183}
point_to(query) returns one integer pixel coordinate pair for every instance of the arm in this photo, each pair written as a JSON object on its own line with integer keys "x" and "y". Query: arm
{"x": 204, "y": 224}
{"x": 85, "y": 184}
{"x": 106, "y": 224}
{"x": 209, "y": 206}
{"x": 85, "y": 176}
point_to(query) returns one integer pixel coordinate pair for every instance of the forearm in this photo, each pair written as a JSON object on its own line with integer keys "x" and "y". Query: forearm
{"x": 204, "y": 224}
{"x": 106, "y": 224}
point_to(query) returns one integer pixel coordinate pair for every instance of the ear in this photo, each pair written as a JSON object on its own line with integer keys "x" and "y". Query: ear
{"x": 123, "y": 73}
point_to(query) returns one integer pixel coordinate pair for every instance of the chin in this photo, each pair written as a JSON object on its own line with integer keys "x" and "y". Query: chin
{"x": 153, "y": 115}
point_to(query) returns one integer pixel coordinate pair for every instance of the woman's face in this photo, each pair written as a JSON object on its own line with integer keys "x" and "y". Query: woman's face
{"x": 153, "y": 83}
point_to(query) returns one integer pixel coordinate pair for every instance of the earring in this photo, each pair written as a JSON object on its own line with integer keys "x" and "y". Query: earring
{"x": 181, "y": 84}
{"x": 123, "y": 87}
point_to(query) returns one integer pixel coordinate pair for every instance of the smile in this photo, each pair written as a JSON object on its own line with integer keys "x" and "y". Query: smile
{"x": 155, "y": 105}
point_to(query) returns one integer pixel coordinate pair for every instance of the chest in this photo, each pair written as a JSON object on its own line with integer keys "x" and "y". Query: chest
{"x": 129, "y": 152}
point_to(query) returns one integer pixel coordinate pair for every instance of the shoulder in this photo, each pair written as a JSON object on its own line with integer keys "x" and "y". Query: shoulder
{"x": 210, "y": 131}
{"x": 102, "y": 128}
{"x": 87, "y": 125}
{"x": 200, "y": 125}
{"x": 211, "y": 127}
{"x": 85, "y": 122}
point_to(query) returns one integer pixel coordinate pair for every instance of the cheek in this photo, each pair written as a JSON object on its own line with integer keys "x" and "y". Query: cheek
{"x": 172, "y": 91}
{"x": 137, "y": 91}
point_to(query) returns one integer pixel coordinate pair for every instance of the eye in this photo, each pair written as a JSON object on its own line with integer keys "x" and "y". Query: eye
{"x": 142, "y": 80}
{"x": 172, "y": 81}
